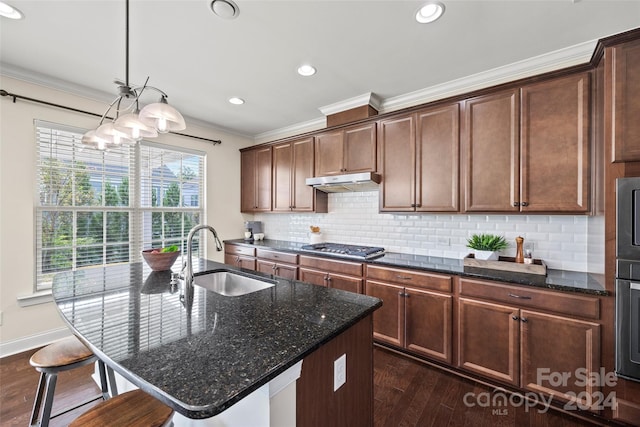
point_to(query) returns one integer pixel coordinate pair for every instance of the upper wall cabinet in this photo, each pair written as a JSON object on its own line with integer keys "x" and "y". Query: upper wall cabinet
{"x": 492, "y": 152}
{"x": 292, "y": 165}
{"x": 351, "y": 149}
{"x": 255, "y": 180}
{"x": 419, "y": 156}
{"x": 528, "y": 150}
{"x": 622, "y": 69}
{"x": 554, "y": 141}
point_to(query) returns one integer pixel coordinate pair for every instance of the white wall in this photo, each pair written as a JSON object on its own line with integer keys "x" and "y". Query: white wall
{"x": 562, "y": 241}
{"x": 25, "y": 327}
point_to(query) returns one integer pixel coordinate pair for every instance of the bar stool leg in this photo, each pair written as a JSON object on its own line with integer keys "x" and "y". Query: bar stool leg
{"x": 107, "y": 372}
{"x": 112, "y": 382}
{"x": 48, "y": 399}
{"x": 37, "y": 403}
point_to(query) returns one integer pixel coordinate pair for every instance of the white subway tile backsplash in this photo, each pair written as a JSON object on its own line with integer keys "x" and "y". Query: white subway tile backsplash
{"x": 563, "y": 241}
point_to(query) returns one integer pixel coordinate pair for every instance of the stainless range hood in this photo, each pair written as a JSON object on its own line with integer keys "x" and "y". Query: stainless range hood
{"x": 365, "y": 181}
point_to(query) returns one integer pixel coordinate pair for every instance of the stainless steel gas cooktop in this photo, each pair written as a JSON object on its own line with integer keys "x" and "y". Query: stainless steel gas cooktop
{"x": 344, "y": 251}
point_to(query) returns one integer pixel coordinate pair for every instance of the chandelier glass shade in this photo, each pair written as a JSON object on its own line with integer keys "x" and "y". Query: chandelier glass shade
{"x": 131, "y": 124}
{"x": 162, "y": 116}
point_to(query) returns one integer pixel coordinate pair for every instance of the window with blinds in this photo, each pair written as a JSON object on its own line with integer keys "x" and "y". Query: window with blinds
{"x": 103, "y": 207}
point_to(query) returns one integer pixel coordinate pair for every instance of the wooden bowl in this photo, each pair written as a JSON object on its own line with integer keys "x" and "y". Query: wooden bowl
{"x": 161, "y": 261}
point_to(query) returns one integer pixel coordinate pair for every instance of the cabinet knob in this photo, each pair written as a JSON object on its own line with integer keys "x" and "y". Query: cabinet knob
{"x": 524, "y": 320}
{"x": 525, "y": 203}
{"x": 516, "y": 204}
{"x": 515, "y": 317}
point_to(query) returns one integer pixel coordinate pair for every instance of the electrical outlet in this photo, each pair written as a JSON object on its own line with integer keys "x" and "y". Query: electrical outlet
{"x": 339, "y": 372}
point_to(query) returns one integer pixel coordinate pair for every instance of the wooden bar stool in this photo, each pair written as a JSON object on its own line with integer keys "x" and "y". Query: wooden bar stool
{"x": 132, "y": 409}
{"x": 63, "y": 355}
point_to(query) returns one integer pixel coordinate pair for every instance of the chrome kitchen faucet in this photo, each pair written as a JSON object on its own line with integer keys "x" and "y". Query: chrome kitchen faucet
{"x": 187, "y": 268}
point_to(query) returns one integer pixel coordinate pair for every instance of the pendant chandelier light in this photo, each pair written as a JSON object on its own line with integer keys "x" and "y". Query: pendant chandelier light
{"x": 131, "y": 124}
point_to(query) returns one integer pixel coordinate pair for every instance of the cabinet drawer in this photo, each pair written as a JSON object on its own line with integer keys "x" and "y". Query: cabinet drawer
{"x": 438, "y": 282}
{"x": 572, "y": 305}
{"x": 277, "y": 256}
{"x": 239, "y": 250}
{"x": 324, "y": 264}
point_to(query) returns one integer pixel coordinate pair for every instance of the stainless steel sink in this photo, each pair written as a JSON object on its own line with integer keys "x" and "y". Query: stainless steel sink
{"x": 231, "y": 284}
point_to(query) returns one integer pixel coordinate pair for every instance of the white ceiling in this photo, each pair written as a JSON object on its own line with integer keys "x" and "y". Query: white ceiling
{"x": 201, "y": 60}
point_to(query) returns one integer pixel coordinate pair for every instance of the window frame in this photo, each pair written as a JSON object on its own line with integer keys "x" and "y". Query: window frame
{"x": 136, "y": 210}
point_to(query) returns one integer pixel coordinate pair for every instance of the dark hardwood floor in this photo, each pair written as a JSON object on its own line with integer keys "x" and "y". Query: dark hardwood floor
{"x": 407, "y": 393}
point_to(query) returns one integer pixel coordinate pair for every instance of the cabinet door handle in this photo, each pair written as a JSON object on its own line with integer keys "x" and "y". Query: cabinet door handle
{"x": 516, "y": 204}
{"x": 525, "y": 204}
{"x": 403, "y": 277}
{"x": 515, "y": 317}
{"x": 524, "y": 319}
{"x": 328, "y": 278}
{"x": 519, "y": 296}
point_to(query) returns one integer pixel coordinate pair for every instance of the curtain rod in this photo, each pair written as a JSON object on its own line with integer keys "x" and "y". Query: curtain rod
{"x": 64, "y": 107}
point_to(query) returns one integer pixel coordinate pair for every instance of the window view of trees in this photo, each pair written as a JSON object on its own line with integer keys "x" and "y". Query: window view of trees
{"x": 85, "y": 216}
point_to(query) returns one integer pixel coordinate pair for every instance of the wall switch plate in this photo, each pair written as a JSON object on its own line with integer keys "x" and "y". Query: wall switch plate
{"x": 339, "y": 372}
{"x": 0, "y": 318}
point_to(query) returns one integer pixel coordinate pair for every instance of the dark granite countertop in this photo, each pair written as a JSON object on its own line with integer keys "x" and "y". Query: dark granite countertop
{"x": 561, "y": 280}
{"x": 203, "y": 360}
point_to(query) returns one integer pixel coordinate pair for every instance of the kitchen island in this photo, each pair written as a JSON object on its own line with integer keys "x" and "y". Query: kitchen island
{"x": 202, "y": 357}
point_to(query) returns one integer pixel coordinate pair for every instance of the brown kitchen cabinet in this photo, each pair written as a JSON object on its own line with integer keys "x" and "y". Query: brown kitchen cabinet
{"x": 293, "y": 163}
{"x": 522, "y": 346}
{"x": 346, "y": 150}
{"x": 239, "y": 256}
{"x": 491, "y": 146}
{"x": 413, "y": 316}
{"x": 527, "y": 149}
{"x": 419, "y": 157}
{"x": 554, "y": 144}
{"x": 344, "y": 275}
{"x": 255, "y": 180}
{"x": 622, "y": 99}
{"x": 281, "y": 264}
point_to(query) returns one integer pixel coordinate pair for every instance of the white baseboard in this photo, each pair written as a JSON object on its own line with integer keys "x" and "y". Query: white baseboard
{"x": 8, "y": 348}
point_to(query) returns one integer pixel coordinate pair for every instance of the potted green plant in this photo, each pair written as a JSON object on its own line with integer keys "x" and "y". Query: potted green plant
{"x": 486, "y": 246}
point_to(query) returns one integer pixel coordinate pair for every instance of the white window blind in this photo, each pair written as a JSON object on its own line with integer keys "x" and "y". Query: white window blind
{"x": 103, "y": 207}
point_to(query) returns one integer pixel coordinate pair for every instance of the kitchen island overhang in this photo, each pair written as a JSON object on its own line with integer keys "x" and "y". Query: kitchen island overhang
{"x": 203, "y": 360}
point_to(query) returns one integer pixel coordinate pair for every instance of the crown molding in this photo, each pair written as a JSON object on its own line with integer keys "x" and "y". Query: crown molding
{"x": 551, "y": 61}
{"x": 368, "y": 98}
{"x": 297, "y": 129}
{"x": 556, "y": 60}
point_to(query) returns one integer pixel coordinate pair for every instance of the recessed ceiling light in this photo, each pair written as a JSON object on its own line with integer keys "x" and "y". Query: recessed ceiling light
{"x": 429, "y": 12}
{"x": 236, "y": 101}
{"x": 9, "y": 11}
{"x": 306, "y": 70}
{"x": 225, "y": 9}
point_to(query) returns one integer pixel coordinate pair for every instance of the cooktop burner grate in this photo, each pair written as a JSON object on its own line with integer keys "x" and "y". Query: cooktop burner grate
{"x": 347, "y": 251}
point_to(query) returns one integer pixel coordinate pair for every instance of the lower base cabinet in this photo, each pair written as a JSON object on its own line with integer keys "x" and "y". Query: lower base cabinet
{"x": 412, "y": 317}
{"x": 240, "y": 256}
{"x": 335, "y": 274}
{"x": 539, "y": 352}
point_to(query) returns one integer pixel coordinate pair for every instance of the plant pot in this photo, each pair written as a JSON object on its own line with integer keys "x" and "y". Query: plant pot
{"x": 486, "y": 255}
